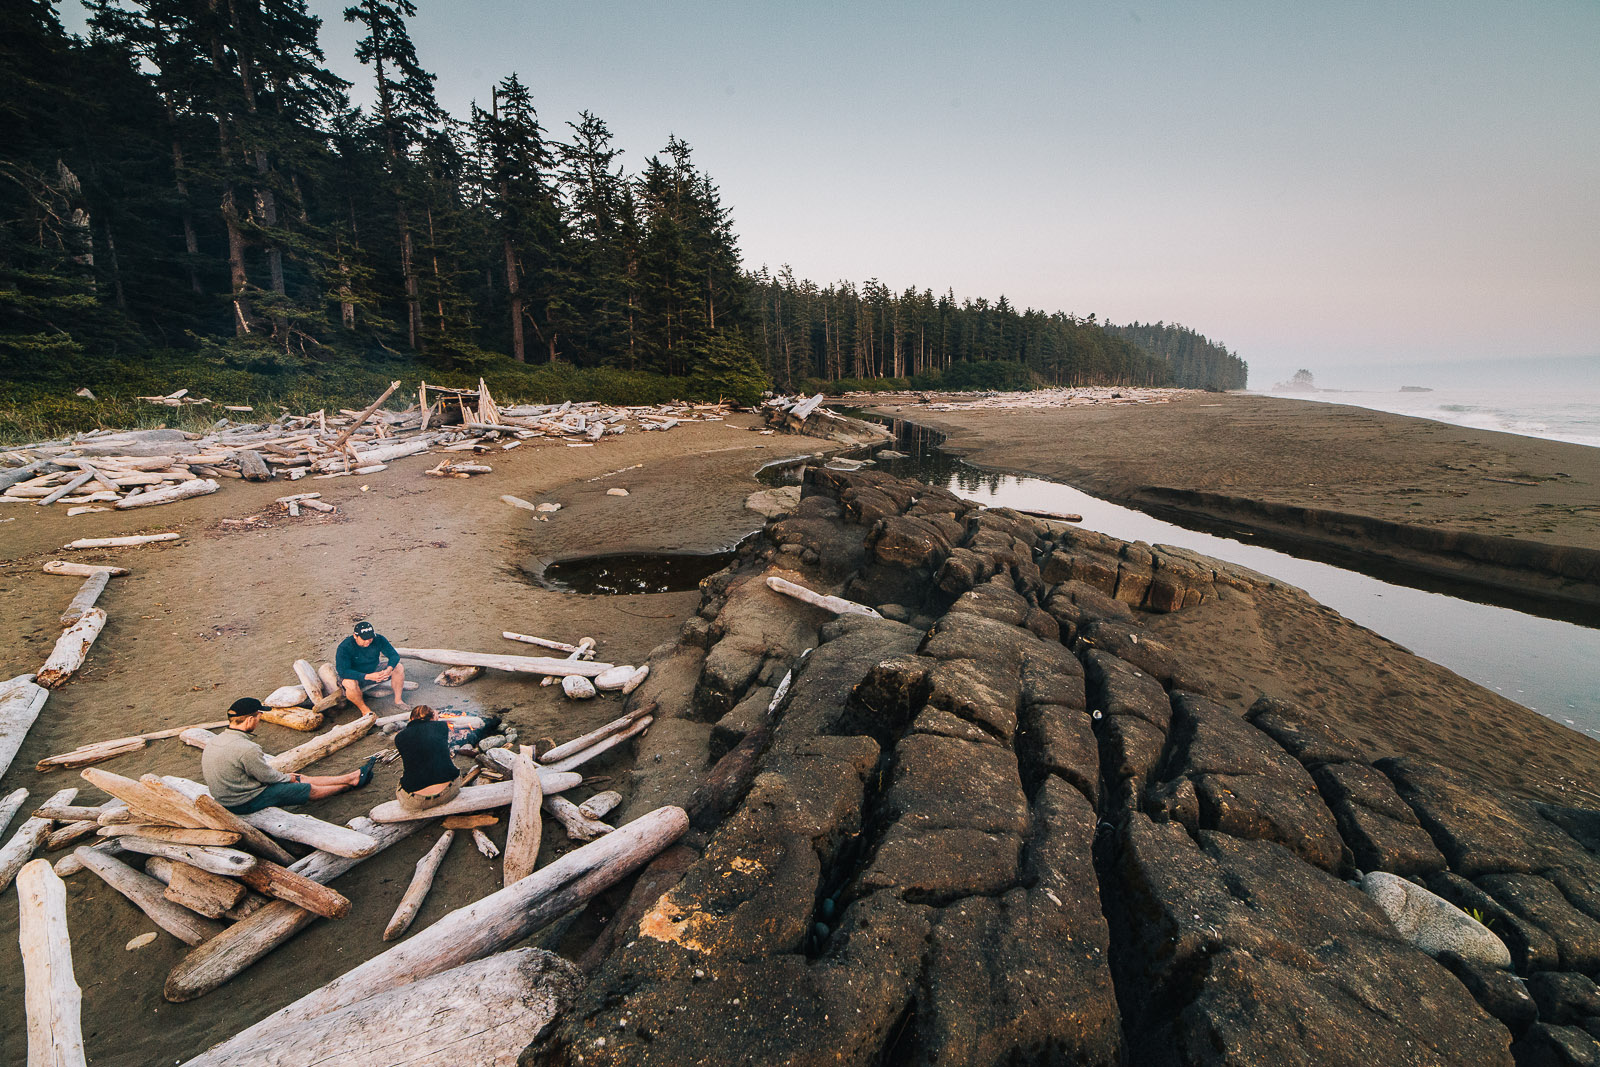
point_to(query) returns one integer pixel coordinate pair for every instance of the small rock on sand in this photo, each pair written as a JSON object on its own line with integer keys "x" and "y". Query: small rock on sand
{"x": 616, "y": 492}
{"x": 141, "y": 941}
{"x": 1432, "y": 923}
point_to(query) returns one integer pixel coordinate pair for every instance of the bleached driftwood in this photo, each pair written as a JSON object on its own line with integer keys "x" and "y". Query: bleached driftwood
{"x": 338, "y": 442}
{"x": 82, "y": 570}
{"x": 182, "y": 491}
{"x": 149, "y": 896}
{"x": 172, "y": 835}
{"x": 51, "y": 996}
{"x": 547, "y": 665}
{"x": 120, "y": 542}
{"x": 575, "y": 823}
{"x": 253, "y": 832}
{"x": 88, "y": 593}
{"x": 578, "y": 759}
{"x": 308, "y": 830}
{"x": 835, "y": 604}
{"x": 12, "y": 803}
{"x": 470, "y": 933}
{"x": 72, "y": 647}
{"x": 578, "y": 744}
{"x": 302, "y": 755}
{"x": 484, "y": 845}
{"x": 28, "y": 837}
{"x": 559, "y": 646}
{"x": 200, "y": 891}
{"x": 417, "y": 890}
{"x": 599, "y": 805}
{"x": 230, "y": 862}
{"x": 64, "y": 835}
{"x": 309, "y": 681}
{"x": 526, "y": 824}
{"x": 285, "y": 884}
{"x": 636, "y": 680}
{"x": 91, "y": 754}
{"x": 454, "y": 676}
{"x": 480, "y": 1013}
{"x": 476, "y": 798}
{"x": 286, "y": 696}
{"x": 518, "y": 502}
{"x": 583, "y": 650}
{"x": 70, "y": 864}
{"x": 21, "y": 699}
{"x": 303, "y": 719}
{"x": 65, "y": 489}
{"x": 246, "y": 941}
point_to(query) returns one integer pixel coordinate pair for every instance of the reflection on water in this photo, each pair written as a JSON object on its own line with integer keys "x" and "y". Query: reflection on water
{"x": 1545, "y": 664}
{"x": 640, "y": 572}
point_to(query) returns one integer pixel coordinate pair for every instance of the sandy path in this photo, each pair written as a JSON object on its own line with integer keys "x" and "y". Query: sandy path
{"x": 223, "y": 613}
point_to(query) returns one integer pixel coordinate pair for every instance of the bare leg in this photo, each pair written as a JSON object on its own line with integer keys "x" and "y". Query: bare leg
{"x": 352, "y": 690}
{"x": 326, "y": 785}
{"x": 399, "y": 680}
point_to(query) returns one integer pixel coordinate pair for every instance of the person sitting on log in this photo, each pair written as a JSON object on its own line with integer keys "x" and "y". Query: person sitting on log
{"x": 240, "y": 778}
{"x": 357, "y": 664}
{"x": 429, "y": 776}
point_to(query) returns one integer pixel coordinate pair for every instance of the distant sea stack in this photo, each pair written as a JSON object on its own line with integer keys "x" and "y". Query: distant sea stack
{"x": 1415, "y": 389}
{"x": 1301, "y": 383}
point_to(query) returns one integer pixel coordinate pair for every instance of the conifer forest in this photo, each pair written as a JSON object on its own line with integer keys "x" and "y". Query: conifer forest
{"x": 188, "y": 182}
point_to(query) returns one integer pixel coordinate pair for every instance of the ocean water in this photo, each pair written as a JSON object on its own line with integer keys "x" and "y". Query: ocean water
{"x": 1558, "y": 400}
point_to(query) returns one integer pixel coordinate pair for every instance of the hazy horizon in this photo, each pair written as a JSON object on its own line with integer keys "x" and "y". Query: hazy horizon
{"x": 1323, "y": 187}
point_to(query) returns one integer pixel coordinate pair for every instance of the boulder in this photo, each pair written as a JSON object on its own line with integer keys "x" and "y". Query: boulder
{"x": 1531, "y": 948}
{"x": 1499, "y": 992}
{"x": 1576, "y": 935}
{"x": 1544, "y": 1045}
{"x": 1564, "y": 997}
{"x": 1432, "y": 923}
{"x": 1381, "y": 829}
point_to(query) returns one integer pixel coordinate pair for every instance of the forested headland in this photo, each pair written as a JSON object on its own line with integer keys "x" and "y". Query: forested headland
{"x": 188, "y": 197}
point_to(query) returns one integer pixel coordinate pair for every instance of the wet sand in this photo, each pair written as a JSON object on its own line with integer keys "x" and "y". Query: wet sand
{"x": 1469, "y": 505}
{"x": 434, "y": 562}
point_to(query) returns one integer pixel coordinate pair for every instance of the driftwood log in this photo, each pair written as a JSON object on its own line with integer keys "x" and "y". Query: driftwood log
{"x": 285, "y": 884}
{"x": 182, "y": 491}
{"x": 172, "y": 835}
{"x": 454, "y": 676}
{"x": 476, "y": 798}
{"x": 309, "y": 681}
{"x": 575, "y": 823}
{"x": 473, "y": 932}
{"x": 417, "y": 891}
{"x": 72, "y": 648}
{"x": 12, "y": 803}
{"x": 542, "y": 642}
{"x": 51, "y": 995}
{"x": 253, "y": 831}
{"x": 246, "y": 941}
{"x": 603, "y": 745}
{"x": 82, "y": 570}
{"x": 835, "y": 604}
{"x": 309, "y": 830}
{"x": 200, "y": 891}
{"x": 21, "y": 700}
{"x": 70, "y": 864}
{"x": 96, "y": 752}
{"x": 87, "y": 594}
{"x": 149, "y": 896}
{"x": 65, "y": 489}
{"x": 578, "y": 744}
{"x": 302, "y": 755}
{"x": 481, "y": 1013}
{"x": 119, "y": 542}
{"x": 29, "y": 836}
{"x": 71, "y": 832}
{"x": 229, "y": 862}
{"x": 484, "y": 844}
{"x": 527, "y": 824}
{"x": 599, "y": 805}
{"x": 546, "y": 665}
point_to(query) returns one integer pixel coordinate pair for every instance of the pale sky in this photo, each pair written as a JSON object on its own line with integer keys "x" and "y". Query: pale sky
{"x": 1313, "y": 185}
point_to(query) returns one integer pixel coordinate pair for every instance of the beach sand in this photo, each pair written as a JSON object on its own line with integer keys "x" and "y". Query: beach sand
{"x": 435, "y": 562}
{"x": 1316, "y": 474}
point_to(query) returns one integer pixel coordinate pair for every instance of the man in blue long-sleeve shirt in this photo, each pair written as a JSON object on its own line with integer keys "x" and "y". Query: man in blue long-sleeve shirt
{"x": 357, "y": 664}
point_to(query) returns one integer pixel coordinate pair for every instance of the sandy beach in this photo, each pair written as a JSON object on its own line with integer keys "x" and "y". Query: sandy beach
{"x": 1462, "y": 504}
{"x": 436, "y": 562}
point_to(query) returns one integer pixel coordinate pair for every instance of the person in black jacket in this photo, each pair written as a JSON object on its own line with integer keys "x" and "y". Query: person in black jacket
{"x": 429, "y": 776}
{"x": 356, "y": 661}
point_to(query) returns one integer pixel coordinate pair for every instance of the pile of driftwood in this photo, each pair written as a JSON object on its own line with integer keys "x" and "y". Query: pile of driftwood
{"x": 226, "y": 884}
{"x": 1073, "y": 396}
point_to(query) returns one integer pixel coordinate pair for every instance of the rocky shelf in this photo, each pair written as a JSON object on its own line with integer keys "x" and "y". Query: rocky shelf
{"x": 1005, "y": 824}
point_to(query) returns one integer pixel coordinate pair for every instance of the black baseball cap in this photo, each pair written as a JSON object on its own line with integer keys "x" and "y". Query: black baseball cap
{"x": 245, "y": 706}
{"x": 364, "y": 629}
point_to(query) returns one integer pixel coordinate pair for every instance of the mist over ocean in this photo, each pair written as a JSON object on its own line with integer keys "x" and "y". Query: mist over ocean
{"x": 1556, "y": 399}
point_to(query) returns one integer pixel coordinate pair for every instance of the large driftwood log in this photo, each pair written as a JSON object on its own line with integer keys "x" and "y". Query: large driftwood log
{"x": 182, "y": 491}
{"x": 481, "y": 1013}
{"x": 21, "y": 700}
{"x": 333, "y": 691}
{"x": 81, "y": 570}
{"x": 417, "y": 891}
{"x": 309, "y": 830}
{"x": 148, "y": 895}
{"x": 526, "y": 825}
{"x": 21, "y": 474}
{"x": 835, "y": 604}
{"x": 98, "y": 751}
{"x": 12, "y": 803}
{"x": 253, "y": 465}
{"x": 547, "y": 665}
{"x": 599, "y": 805}
{"x": 65, "y": 489}
{"x": 229, "y": 862}
{"x": 578, "y": 744}
{"x": 500, "y": 919}
{"x": 160, "y": 868}
{"x": 476, "y": 798}
{"x": 246, "y": 941}
{"x": 72, "y": 648}
{"x": 252, "y": 832}
{"x": 29, "y": 836}
{"x": 70, "y": 864}
{"x": 120, "y": 542}
{"x": 542, "y": 642}
{"x": 578, "y": 759}
{"x": 360, "y": 420}
{"x": 87, "y": 594}
{"x": 172, "y": 835}
{"x": 451, "y": 677}
{"x": 51, "y": 995}
{"x": 149, "y": 798}
{"x": 323, "y": 745}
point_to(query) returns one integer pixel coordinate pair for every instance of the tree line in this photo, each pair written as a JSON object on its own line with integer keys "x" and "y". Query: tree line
{"x": 192, "y": 177}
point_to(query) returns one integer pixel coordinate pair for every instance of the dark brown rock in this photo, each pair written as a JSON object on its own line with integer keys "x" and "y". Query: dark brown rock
{"x": 1500, "y": 993}
{"x": 1576, "y": 935}
{"x": 1380, "y": 829}
{"x": 1308, "y": 741}
{"x": 1132, "y": 645}
{"x": 1116, "y": 688}
{"x": 1057, "y": 740}
{"x": 1478, "y": 831}
{"x": 746, "y": 715}
{"x": 1531, "y": 948}
{"x": 1545, "y": 1045}
{"x": 1564, "y": 998}
{"x": 946, "y": 724}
